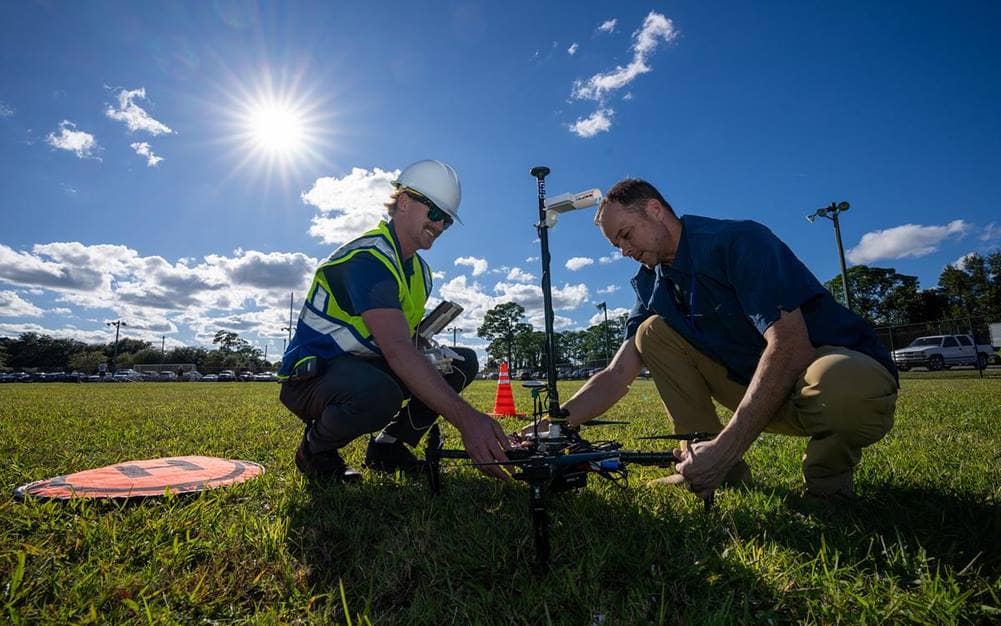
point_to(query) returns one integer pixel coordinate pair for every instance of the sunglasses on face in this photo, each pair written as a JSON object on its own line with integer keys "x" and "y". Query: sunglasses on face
{"x": 435, "y": 214}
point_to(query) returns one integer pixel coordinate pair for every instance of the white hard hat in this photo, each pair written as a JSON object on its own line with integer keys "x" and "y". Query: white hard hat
{"x": 436, "y": 181}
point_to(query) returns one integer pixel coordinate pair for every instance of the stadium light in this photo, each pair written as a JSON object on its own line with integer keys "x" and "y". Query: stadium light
{"x": 455, "y": 333}
{"x": 603, "y": 306}
{"x": 831, "y": 212}
{"x": 114, "y": 353}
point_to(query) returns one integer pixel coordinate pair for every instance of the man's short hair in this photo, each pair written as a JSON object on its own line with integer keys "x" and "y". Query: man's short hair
{"x": 630, "y": 192}
{"x": 393, "y": 199}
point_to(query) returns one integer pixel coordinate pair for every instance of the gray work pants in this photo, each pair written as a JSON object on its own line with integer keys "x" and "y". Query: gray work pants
{"x": 353, "y": 396}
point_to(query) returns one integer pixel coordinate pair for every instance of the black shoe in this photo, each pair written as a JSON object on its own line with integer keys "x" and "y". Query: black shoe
{"x": 390, "y": 457}
{"x": 323, "y": 465}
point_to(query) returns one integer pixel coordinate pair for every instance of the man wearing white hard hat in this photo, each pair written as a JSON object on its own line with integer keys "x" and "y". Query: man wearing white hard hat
{"x": 353, "y": 361}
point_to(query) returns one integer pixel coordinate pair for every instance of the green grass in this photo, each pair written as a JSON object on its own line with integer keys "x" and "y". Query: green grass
{"x": 923, "y": 546}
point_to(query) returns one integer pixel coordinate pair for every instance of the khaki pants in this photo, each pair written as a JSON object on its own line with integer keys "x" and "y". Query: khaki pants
{"x": 843, "y": 401}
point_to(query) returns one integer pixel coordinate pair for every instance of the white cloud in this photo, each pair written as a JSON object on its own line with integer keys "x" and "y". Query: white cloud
{"x": 572, "y": 50}
{"x": 7, "y": 111}
{"x": 356, "y": 200}
{"x": 578, "y": 262}
{"x": 531, "y": 259}
{"x": 568, "y": 297}
{"x": 960, "y": 263}
{"x": 479, "y": 265}
{"x": 78, "y": 142}
{"x": 611, "y": 258}
{"x": 609, "y": 289}
{"x": 67, "y": 332}
{"x": 599, "y": 317}
{"x": 143, "y": 150}
{"x": 477, "y": 302}
{"x": 655, "y": 28}
{"x": 909, "y": 240}
{"x": 134, "y": 116}
{"x": 438, "y": 275}
{"x": 598, "y": 122}
{"x": 608, "y": 26}
{"x": 13, "y": 305}
{"x": 155, "y": 295}
{"x": 991, "y": 232}
{"x": 519, "y": 276}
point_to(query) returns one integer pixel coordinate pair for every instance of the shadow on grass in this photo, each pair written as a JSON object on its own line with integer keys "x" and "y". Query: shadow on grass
{"x": 468, "y": 555}
{"x": 950, "y": 529}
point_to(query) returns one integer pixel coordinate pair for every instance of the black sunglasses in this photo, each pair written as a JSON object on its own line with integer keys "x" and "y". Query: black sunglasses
{"x": 435, "y": 213}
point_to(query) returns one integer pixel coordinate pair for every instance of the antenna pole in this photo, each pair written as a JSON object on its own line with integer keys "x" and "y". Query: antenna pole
{"x": 540, "y": 174}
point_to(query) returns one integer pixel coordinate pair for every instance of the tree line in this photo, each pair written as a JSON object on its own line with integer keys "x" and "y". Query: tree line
{"x": 37, "y": 351}
{"x": 512, "y": 339}
{"x": 887, "y": 298}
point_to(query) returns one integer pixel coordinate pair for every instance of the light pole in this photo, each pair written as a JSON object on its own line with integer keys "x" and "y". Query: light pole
{"x": 455, "y": 331}
{"x": 831, "y": 212}
{"x": 603, "y": 306}
{"x": 163, "y": 348}
{"x": 114, "y": 353}
{"x": 289, "y": 327}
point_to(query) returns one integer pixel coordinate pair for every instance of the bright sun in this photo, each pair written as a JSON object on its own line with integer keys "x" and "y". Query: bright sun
{"x": 277, "y": 126}
{"x": 276, "y": 129}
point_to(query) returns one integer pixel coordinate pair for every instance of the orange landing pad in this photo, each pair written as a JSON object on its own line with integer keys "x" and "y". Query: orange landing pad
{"x": 150, "y": 477}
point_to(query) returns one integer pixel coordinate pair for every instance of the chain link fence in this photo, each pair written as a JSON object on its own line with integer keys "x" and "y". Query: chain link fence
{"x": 918, "y": 354}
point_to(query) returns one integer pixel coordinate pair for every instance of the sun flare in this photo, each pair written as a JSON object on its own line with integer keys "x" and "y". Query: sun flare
{"x": 277, "y": 126}
{"x": 276, "y": 129}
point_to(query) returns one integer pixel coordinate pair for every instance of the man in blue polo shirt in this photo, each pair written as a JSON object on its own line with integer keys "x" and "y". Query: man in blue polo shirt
{"x": 352, "y": 362}
{"x": 725, "y": 311}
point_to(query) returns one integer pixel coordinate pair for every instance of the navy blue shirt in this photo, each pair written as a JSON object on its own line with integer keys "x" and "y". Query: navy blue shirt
{"x": 729, "y": 282}
{"x": 364, "y": 283}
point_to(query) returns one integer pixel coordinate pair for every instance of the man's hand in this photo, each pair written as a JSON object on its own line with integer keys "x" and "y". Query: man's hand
{"x": 704, "y": 465}
{"x": 520, "y": 436}
{"x": 485, "y": 442}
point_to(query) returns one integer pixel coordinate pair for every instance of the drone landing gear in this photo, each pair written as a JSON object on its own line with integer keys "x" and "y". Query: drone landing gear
{"x": 540, "y": 527}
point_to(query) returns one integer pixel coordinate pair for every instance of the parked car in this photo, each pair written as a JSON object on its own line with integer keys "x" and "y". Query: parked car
{"x": 192, "y": 376}
{"x": 209, "y": 378}
{"x": 266, "y": 377}
{"x": 227, "y": 376}
{"x": 937, "y": 352}
{"x": 127, "y": 375}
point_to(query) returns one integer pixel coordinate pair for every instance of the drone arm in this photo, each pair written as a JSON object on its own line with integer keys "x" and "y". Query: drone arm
{"x": 660, "y": 459}
{"x": 607, "y": 387}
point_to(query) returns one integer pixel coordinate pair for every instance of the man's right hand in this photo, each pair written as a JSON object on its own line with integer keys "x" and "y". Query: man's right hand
{"x": 485, "y": 442}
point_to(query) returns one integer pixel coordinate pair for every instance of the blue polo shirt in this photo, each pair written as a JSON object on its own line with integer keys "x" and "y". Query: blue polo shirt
{"x": 728, "y": 283}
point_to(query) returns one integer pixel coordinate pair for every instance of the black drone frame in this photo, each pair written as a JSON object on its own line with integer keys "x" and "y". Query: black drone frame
{"x": 558, "y": 459}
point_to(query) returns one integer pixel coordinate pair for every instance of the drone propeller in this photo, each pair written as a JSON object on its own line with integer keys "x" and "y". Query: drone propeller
{"x": 693, "y": 437}
{"x": 603, "y": 422}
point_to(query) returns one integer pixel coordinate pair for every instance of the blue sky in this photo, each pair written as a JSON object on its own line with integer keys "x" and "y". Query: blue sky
{"x": 183, "y": 166}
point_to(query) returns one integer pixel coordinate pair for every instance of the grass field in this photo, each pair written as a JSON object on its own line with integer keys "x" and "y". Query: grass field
{"x": 923, "y": 545}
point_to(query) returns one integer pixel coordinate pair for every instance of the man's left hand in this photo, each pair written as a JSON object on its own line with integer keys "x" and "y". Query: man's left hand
{"x": 704, "y": 466}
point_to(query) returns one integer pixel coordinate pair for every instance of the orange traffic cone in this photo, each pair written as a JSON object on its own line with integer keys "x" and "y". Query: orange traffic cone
{"x": 504, "y": 402}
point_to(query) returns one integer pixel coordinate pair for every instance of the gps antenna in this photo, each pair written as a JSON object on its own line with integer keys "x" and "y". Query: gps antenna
{"x": 540, "y": 172}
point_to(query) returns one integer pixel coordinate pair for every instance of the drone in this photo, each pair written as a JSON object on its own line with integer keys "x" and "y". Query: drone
{"x": 554, "y": 457}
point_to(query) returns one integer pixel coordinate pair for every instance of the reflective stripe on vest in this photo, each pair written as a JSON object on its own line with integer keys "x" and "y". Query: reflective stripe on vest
{"x": 341, "y": 334}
